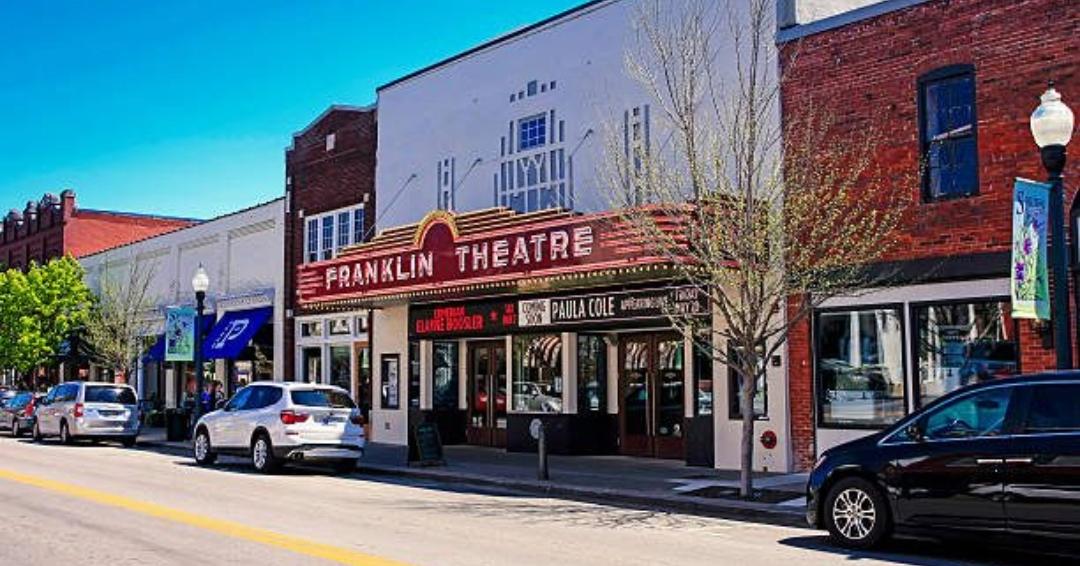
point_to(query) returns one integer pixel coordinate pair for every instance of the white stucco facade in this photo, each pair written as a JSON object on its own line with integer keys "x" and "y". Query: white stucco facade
{"x": 241, "y": 252}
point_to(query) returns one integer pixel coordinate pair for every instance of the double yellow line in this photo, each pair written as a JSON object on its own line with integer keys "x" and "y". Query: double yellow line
{"x": 228, "y": 528}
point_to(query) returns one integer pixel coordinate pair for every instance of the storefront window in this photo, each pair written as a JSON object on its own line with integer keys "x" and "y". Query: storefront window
{"x": 703, "y": 380}
{"x": 444, "y": 390}
{"x": 340, "y": 368}
{"x": 414, "y": 374}
{"x": 735, "y": 384}
{"x": 592, "y": 374}
{"x": 310, "y": 329}
{"x": 537, "y": 379}
{"x": 340, "y": 327}
{"x": 958, "y": 344}
{"x": 860, "y": 367}
{"x": 312, "y": 368}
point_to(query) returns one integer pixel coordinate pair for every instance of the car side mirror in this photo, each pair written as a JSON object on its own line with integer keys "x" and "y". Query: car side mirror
{"x": 914, "y": 431}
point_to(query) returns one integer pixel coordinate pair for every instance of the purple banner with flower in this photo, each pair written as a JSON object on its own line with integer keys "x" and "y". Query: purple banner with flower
{"x": 1030, "y": 279}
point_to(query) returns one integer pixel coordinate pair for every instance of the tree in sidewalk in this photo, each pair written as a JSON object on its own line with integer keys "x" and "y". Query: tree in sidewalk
{"x": 40, "y": 310}
{"x": 117, "y": 327}
{"x": 770, "y": 211}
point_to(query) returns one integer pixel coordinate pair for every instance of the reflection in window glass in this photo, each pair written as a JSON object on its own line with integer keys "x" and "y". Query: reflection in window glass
{"x": 537, "y": 380}
{"x": 340, "y": 367}
{"x": 982, "y": 414}
{"x": 860, "y": 370}
{"x": 592, "y": 374}
{"x": 703, "y": 378}
{"x": 444, "y": 390}
{"x": 1054, "y": 409}
{"x": 959, "y": 344}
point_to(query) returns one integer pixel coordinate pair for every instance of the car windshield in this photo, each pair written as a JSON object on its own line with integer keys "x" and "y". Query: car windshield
{"x": 322, "y": 398}
{"x": 106, "y": 394}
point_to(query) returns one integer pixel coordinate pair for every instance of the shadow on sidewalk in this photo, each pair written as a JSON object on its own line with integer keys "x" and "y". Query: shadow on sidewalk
{"x": 924, "y": 552}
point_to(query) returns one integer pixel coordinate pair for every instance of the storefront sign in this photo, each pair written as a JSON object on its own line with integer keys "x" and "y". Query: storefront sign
{"x": 500, "y": 317}
{"x": 487, "y": 318}
{"x": 180, "y": 334}
{"x": 506, "y": 247}
{"x": 1030, "y": 279}
{"x": 610, "y": 307}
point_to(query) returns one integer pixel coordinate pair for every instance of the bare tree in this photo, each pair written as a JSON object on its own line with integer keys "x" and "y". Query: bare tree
{"x": 776, "y": 217}
{"x": 119, "y": 324}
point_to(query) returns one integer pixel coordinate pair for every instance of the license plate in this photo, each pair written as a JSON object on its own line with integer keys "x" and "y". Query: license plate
{"x": 332, "y": 420}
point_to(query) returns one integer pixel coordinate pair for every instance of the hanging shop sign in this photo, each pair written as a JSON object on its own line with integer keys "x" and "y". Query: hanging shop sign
{"x": 506, "y": 316}
{"x": 484, "y": 248}
{"x": 1030, "y": 279}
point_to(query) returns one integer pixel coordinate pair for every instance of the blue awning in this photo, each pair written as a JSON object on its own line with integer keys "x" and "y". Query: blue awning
{"x": 156, "y": 353}
{"x": 232, "y": 334}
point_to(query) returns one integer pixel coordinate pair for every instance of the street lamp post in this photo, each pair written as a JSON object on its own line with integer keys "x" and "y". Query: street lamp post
{"x": 1052, "y": 127}
{"x": 200, "y": 283}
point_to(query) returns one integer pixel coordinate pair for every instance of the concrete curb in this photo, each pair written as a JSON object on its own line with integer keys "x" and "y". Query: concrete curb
{"x": 722, "y": 508}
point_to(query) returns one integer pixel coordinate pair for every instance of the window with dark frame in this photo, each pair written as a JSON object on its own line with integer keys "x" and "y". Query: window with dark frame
{"x": 947, "y": 136}
{"x": 532, "y": 132}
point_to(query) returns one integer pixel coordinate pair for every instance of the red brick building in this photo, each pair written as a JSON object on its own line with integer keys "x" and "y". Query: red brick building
{"x": 55, "y": 226}
{"x": 951, "y": 85}
{"x": 330, "y": 205}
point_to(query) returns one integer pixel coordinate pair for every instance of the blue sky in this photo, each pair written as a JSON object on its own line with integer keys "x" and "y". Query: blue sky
{"x": 184, "y": 108}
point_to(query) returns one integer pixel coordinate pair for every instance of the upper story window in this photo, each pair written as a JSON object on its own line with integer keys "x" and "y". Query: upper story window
{"x": 532, "y": 132}
{"x": 328, "y": 233}
{"x": 947, "y": 133}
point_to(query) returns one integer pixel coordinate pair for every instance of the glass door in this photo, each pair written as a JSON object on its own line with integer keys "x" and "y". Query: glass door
{"x": 651, "y": 395}
{"x": 487, "y": 394}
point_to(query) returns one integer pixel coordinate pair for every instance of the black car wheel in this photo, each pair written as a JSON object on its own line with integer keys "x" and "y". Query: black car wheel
{"x": 204, "y": 452}
{"x": 65, "y": 434}
{"x": 262, "y": 455}
{"x": 129, "y": 441}
{"x": 856, "y": 514}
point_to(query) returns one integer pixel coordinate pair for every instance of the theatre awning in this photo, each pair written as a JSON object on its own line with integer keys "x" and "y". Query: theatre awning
{"x": 233, "y": 332}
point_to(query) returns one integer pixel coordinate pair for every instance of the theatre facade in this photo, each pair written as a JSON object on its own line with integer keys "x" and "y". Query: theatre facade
{"x": 488, "y": 322}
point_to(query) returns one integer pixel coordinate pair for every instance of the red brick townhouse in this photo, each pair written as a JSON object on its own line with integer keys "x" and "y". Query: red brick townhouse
{"x": 951, "y": 85}
{"x": 55, "y": 226}
{"x": 330, "y": 205}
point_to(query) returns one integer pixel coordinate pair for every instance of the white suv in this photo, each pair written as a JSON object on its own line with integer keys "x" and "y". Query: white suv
{"x": 274, "y": 423}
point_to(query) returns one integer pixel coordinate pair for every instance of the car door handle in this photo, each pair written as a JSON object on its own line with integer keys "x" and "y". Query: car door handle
{"x": 1020, "y": 461}
{"x": 989, "y": 461}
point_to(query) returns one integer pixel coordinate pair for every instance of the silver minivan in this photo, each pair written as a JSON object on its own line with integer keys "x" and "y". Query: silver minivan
{"x": 88, "y": 410}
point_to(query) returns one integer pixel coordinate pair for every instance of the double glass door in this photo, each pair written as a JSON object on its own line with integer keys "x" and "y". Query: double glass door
{"x": 651, "y": 395}
{"x": 487, "y": 393}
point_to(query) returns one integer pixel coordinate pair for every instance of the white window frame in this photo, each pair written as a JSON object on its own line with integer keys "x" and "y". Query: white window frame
{"x": 341, "y": 234}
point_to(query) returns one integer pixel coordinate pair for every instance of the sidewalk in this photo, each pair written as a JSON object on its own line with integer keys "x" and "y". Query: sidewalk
{"x": 615, "y": 480}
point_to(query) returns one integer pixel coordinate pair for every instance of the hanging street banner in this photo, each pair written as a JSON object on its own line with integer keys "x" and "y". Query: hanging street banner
{"x": 1030, "y": 277}
{"x": 180, "y": 334}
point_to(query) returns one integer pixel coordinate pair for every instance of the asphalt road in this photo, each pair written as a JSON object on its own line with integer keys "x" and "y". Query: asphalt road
{"x": 102, "y": 504}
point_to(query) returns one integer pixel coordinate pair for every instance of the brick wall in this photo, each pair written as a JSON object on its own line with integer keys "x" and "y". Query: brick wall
{"x": 319, "y": 181}
{"x": 868, "y": 70}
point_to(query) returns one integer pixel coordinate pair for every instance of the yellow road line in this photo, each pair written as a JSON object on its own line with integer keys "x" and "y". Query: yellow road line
{"x": 229, "y": 528}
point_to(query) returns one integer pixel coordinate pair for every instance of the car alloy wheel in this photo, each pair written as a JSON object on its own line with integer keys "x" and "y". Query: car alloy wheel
{"x": 65, "y": 435}
{"x": 262, "y": 455}
{"x": 203, "y": 454}
{"x": 856, "y": 514}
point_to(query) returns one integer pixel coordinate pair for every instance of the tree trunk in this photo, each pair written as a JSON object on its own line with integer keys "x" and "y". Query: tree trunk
{"x": 746, "y": 476}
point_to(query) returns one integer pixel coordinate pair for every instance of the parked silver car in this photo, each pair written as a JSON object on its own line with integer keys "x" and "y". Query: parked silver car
{"x": 96, "y": 411}
{"x": 274, "y": 423}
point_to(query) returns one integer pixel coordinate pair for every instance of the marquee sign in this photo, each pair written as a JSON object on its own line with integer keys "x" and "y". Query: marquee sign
{"x": 448, "y": 251}
{"x": 499, "y": 317}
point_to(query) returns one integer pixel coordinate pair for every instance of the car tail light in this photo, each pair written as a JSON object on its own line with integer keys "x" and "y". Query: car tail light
{"x": 292, "y": 417}
{"x": 356, "y": 419}
{"x": 78, "y": 410}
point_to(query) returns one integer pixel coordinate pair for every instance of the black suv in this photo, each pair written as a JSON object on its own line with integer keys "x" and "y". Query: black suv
{"x": 1000, "y": 457}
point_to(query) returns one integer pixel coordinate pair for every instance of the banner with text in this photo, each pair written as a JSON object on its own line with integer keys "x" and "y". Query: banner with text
{"x": 1030, "y": 278}
{"x": 180, "y": 334}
